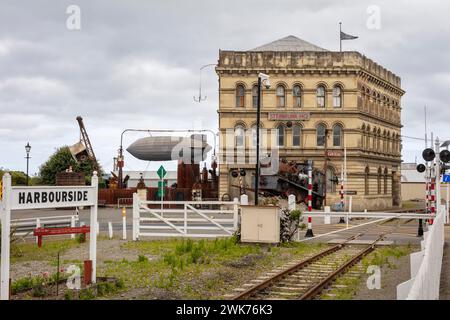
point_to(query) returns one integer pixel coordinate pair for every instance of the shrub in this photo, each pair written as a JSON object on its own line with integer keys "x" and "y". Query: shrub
{"x": 80, "y": 238}
{"x": 289, "y": 224}
{"x": 87, "y": 294}
{"x": 142, "y": 258}
{"x": 39, "y": 290}
{"x": 68, "y": 295}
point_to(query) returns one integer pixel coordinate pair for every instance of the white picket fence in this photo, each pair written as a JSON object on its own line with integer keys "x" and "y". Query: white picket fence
{"x": 426, "y": 264}
{"x": 201, "y": 219}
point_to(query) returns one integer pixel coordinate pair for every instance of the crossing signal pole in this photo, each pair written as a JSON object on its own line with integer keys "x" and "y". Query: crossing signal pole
{"x": 436, "y": 164}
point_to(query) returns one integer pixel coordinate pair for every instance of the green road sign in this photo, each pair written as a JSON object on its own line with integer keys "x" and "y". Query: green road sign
{"x": 161, "y": 172}
{"x": 161, "y": 191}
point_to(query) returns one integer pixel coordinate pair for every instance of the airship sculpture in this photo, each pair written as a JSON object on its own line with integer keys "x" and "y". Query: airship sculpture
{"x": 191, "y": 149}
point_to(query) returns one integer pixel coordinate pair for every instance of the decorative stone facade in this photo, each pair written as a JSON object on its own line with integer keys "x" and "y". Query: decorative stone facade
{"x": 354, "y": 99}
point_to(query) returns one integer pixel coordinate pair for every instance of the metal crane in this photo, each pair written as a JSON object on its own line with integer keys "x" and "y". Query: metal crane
{"x": 87, "y": 143}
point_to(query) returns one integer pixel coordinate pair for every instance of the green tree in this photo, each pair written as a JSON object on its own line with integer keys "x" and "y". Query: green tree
{"x": 18, "y": 178}
{"x": 60, "y": 161}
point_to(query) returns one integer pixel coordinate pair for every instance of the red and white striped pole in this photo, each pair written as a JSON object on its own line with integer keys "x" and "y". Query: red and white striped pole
{"x": 341, "y": 219}
{"x": 309, "y": 232}
{"x": 432, "y": 199}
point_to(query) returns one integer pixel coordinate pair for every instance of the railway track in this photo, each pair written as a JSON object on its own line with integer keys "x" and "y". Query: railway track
{"x": 306, "y": 279}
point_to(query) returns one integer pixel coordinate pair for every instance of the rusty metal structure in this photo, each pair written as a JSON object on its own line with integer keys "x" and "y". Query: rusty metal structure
{"x": 292, "y": 178}
{"x": 87, "y": 143}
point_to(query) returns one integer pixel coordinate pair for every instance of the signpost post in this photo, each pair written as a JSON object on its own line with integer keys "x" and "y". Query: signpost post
{"x": 23, "y": 198}
{"x": 161, "y": 174}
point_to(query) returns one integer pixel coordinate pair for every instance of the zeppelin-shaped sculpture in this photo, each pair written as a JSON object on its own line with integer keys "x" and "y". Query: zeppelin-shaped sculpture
{"x": 191, "y": 149}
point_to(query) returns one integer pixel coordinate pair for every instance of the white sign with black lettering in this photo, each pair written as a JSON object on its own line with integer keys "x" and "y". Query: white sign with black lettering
{"x": 51, "y": 197}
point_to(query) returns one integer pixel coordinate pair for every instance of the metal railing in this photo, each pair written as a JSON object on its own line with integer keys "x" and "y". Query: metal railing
{"x": 426, "y": 264}
{"x": 188, "y": 219}
{"x": 121, "y": 202}
{"x": 25, "y": 227}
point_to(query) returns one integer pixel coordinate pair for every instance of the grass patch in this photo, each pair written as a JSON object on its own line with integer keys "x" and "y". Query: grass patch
{"x": 382, "y": 256}
{"x": 199, "y": 269}
{"x": 345, "y": 287}
{"x": 37, "y": 283}
{"x": 48, "y": 251}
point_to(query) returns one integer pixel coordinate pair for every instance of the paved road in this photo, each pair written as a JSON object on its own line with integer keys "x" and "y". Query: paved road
{"x": 404, "y": 234}
{"x": 105, "y": 215}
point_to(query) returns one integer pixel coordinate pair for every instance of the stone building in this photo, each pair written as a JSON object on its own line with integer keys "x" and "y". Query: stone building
{"x": 318, "y": 102}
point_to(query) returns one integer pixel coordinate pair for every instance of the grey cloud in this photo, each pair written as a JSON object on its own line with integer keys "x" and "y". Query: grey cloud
{"x": 135, "y": 64}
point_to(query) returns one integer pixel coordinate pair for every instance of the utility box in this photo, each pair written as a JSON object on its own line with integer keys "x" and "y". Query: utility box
{"x": 260, "y": 224}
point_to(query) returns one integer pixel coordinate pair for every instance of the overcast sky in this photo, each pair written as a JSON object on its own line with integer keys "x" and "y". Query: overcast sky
{"x": 135, "y": 64}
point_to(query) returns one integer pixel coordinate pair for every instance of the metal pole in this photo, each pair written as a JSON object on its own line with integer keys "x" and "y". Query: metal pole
{"x": 447, "y": 201}
{"x": 161, "y": 194}
{"x": 340, "y": 38}
{"x": 341, "y": 219}
{"x": 437, "y": 177}
{"x": 200, "y": 99}
{"x": 309, "y": 231}
{"x": 28, "y": 162}
{"x": 258, "y": 120}
{"x": 325, "y": 169}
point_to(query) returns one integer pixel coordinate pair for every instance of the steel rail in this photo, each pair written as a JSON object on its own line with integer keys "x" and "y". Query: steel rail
{"x": 316, "y": 289}
{"x": 268, "y": 282}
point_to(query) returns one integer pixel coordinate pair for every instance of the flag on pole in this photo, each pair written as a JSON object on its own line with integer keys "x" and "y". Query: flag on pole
{"x": 345, "y": 36}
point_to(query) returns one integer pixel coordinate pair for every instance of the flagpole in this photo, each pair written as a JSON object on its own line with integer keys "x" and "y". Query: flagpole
{"x": 340, "y": 37}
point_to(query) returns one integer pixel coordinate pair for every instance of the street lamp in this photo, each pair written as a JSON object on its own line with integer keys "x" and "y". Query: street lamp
{"x": 262, "y": 78}
{"x": 200, "y": 98}
{"x": 28, "y": 149}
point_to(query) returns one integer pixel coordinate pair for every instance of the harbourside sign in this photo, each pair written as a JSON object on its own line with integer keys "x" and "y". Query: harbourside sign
{"x": 19, "y": 197}
{"x": 295, "y": 116}
{"x": 51, "y": 197}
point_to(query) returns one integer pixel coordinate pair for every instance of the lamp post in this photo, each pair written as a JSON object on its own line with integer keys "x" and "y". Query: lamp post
{"x": 28, "y": 149}
{"x": 262, "y": 78}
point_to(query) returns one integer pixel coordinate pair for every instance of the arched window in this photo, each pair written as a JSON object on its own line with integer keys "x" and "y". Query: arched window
{"x": 239, "y": 136}
{"x": 331, "y": 186}
{"x": 337, "y": 135}
{"x": 337, "y": 97}
{"x": 240, "y": 96}
{"x": 320, "y": 133}
{"x": 368, "y": 138}
{"x": 253, "y": 132}
{"x": 366, "y": 181}
{"x": 297, "y": 96}
{"x": 363, "y": 136}
{"x": 385, "y": 180}
{"x": 378, "y": 139}
{"x": 321, "y": 96}
{"x": 254, "y": 135}
{"x": 388, "y": 143}
{"x": 280, "y": 135}
{"x": 296, "y": 136}
{"x": 255, "y": 96}
{"x": 281, "y": 96}
{"x": 379, "y": 181}
{"x": 374, "y": 141}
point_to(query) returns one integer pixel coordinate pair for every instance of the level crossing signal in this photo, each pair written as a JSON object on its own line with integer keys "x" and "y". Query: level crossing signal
{"x": 429, "y": 155}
